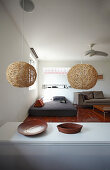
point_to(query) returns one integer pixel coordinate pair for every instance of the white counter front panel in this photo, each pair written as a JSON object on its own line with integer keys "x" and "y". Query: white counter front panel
{"x": 52, "y": 150}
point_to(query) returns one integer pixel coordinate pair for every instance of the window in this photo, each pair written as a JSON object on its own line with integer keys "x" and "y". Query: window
{"x": 33, "y": 62}
{"x": 56, "y": 70}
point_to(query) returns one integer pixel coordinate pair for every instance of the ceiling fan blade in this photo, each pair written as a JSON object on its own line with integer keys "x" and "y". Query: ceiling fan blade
{"x": 87, "y": 52}
{"x": 90, "y": 53}
{"x": 101, "y": 53}
{"x": 93, "y": 52}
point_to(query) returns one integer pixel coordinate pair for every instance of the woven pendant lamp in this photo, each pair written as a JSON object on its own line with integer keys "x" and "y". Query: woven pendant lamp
{"x": 82, "y": 76}
{"x": 21, "y": 74}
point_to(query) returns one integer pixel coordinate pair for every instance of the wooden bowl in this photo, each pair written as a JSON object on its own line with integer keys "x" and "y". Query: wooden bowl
{"x": 32, "y": 127}
{"x": 69, "y": 128}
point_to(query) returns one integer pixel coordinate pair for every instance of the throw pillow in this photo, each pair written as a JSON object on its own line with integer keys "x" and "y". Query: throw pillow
{"x": 98, "y": 95}
{"x": 86, "y": 97}
{"x": 58, "y": 98}
{"x": 39, "y": 103}
{"x": 89, "y": 94}
{"x": 62, "y": 101}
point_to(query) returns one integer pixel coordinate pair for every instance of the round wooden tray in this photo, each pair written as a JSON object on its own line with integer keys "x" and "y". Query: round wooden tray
{"x": 69, "y": 128}
{"x": 32, "y": 127}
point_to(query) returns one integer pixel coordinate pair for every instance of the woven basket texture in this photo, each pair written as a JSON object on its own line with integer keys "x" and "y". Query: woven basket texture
{"x": 21, "y": 74}
{"x": 82, "y": 76}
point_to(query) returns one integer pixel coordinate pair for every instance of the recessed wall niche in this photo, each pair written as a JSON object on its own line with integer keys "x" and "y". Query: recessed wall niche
{"x": 55, "y": 77}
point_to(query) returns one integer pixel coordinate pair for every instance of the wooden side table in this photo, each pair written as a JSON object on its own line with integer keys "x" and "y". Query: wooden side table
{"x": 103, "y": 108}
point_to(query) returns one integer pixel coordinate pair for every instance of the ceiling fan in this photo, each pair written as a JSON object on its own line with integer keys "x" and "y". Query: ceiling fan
{"x": 92, "y": 52}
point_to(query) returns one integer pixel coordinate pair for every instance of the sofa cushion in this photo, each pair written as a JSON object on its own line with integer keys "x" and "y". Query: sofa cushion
{"x": 98, "y": 95}
{"x": 97, "y": 101}
{"x": 88, "y": 94}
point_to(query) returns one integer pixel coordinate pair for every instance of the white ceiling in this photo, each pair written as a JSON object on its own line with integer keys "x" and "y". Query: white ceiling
{"x": 63, "y": 29}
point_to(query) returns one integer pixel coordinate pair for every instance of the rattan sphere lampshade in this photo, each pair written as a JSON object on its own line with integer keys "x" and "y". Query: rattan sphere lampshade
{"x": 21, "y": 74}
{"x": 82, "y": 76}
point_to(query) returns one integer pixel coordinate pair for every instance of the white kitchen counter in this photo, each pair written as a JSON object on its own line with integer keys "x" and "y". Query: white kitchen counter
{"x": 53, "y": 150}
{"x": 90, "y": 133}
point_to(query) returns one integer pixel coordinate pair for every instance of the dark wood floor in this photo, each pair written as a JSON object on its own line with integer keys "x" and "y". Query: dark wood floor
{"x": 83, "y": 115}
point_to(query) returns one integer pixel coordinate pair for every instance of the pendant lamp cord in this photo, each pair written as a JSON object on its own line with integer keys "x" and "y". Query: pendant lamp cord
{"x": 23, "y": 30}
{"x": 81, "y": 59}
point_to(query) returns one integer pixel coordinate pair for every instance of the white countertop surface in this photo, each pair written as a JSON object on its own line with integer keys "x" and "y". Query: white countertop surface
{"x": 90, "y": 133}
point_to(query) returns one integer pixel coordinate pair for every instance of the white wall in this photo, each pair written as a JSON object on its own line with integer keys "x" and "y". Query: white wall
{"x": 102, "y": 67}
{"x": 14, "y": 102}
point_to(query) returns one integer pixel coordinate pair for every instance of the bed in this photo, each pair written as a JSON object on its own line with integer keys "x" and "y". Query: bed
{"x": 54, "y": 108}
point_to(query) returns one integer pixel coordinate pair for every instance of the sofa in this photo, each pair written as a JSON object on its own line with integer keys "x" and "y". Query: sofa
{"x": 90, "y": 98}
